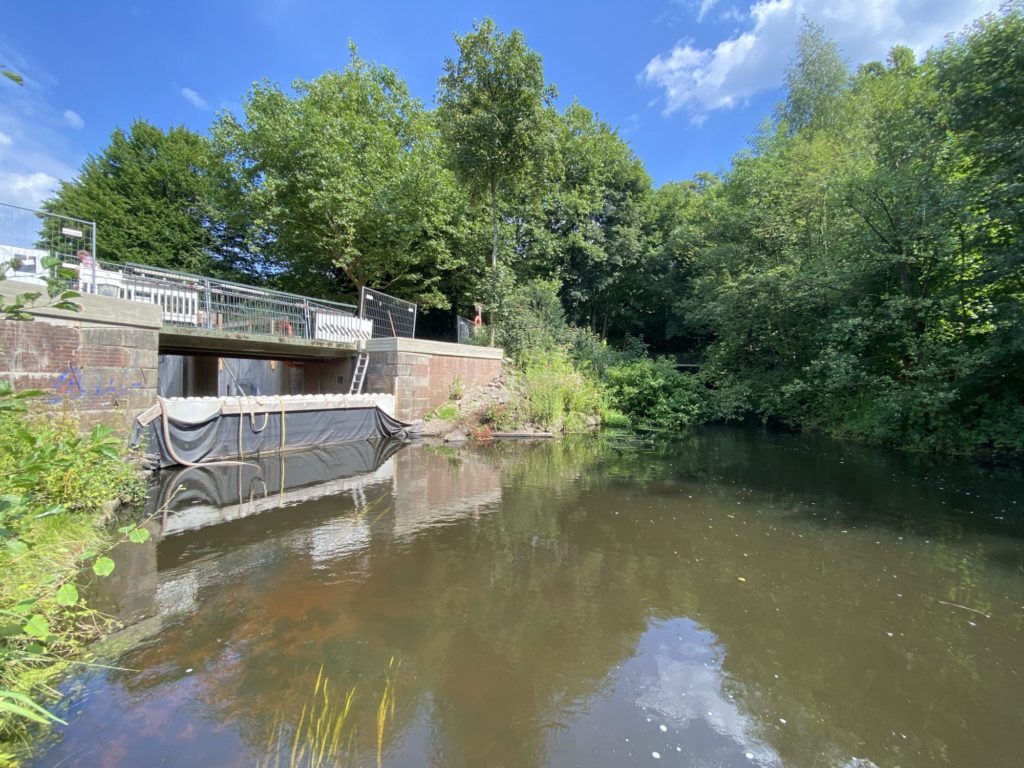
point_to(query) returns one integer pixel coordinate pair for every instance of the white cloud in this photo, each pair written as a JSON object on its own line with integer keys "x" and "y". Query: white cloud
{"x": 705, "y": 6}
{"x": 732, "y": 14}
{"x": 753, "y": 59}
{"x": 194, "y": 98}
{"x": 26, "y": 189}
{"x": 36, "y": 147}
{"x": 73, "y": 119}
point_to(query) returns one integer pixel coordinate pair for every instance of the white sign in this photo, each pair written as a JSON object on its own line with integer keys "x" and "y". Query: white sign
{"x": 70, "y": 232}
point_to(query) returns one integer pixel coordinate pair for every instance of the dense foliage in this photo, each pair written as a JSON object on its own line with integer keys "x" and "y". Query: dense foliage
{"x": 864, "y": 275}
{"x": 55, "y": 484}
{"x": 857, "y": 270}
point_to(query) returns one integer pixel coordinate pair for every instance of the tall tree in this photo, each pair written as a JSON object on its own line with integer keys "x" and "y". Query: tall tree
{"x": 346, "y": 180}
{"x": 152, "y": 198}
{"x": 596, "y": 208}
{"x": 815, "y": 80}
{"x": 491, "y": 113}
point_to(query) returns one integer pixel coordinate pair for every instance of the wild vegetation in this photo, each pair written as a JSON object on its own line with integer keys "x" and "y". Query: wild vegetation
{"x": 857, "y": 270}
{"x": 56, "y": 487}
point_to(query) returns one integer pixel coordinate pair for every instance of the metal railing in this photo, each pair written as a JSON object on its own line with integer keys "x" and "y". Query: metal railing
{"x": 28, "y": 236}
{"x": 190, "y": 301}
{"x": 193, "y": 301}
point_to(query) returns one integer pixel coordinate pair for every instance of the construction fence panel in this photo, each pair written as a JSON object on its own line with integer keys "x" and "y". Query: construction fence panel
{"x": 391, "y": 317}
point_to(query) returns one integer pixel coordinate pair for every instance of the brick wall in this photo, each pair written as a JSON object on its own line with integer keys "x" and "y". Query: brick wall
{"x": 421, "y": 373}
{"x": 107, "y": 374}
{"x": 101, "y": 361}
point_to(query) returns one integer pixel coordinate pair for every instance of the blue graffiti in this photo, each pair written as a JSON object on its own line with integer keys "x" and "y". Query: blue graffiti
{"x": 70, "y": 385}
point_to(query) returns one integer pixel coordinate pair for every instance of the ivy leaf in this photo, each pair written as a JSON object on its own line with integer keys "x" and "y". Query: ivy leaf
{"x": 138, "y": 535}
{"x": 103, "y": 566}
{"x": 17, "y": 547}
{"x": 37, "y": 626}
{"x": 67, "y": 595}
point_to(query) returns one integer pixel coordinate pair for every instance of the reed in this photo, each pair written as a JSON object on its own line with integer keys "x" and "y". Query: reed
{"x": 326, "y": 731}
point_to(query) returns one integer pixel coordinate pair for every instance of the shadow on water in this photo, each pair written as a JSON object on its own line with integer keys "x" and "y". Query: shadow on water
{"x": 838, "y": 483}
{"x": 727, "y": 598}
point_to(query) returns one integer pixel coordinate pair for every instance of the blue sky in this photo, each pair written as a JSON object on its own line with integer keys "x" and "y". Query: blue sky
{"x": 685, "y": 81}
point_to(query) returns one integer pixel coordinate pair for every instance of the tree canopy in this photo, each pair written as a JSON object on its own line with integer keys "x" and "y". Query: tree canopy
{"x": 153, "y": 196}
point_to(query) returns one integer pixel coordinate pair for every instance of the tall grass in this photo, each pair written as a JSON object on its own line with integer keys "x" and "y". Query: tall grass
{"x": 558, "y": 395}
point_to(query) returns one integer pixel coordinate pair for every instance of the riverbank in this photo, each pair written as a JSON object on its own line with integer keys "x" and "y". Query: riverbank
{"x": 59, "y": 492}
{"x": 545, "y": 395}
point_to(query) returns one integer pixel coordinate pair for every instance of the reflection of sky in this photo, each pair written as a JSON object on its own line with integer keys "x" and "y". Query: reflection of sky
{"x": 668, "y": 702}
{"x": 686, "y": 689}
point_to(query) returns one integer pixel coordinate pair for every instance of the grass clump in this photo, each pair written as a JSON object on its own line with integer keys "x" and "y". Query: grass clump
{"x": 325, "y": 734}
{"x": 446, "y": 412}
{"x": 557, "y": 395}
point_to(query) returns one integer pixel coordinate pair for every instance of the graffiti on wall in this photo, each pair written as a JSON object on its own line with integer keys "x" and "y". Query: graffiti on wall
{"x": 77, "y": 384}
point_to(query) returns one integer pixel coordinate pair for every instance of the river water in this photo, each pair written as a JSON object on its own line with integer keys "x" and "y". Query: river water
{"x": 728, "y": 598}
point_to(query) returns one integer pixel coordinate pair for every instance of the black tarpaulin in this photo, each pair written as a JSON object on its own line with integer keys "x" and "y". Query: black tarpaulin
{"x": 229, "y": 436}
{"x": 195, "y": 497}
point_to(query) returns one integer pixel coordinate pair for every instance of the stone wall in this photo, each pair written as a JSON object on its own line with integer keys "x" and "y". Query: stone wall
{"x": 100, "y": 362}
{"x": 420, "y": 374}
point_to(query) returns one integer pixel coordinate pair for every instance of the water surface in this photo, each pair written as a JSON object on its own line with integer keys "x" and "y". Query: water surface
{"x": 730, "y": 598}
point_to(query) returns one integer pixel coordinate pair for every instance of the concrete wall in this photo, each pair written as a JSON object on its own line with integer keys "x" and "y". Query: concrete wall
{"x": 203, "y": 376}
{"x": 420, "y": 373}
{"x": 329, "y": 377}
{"x": 101, "y": 361}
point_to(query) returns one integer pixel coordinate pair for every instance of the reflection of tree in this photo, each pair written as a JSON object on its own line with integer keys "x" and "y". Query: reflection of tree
{"x": 507, "y": 618}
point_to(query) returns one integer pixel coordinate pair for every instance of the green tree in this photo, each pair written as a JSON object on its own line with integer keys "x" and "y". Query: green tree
{"x": 858, "y": 269}
{"x": 815, "y": 80}
{"x": 597, "y": 209}
{"x": 491, "y": 114}
{"x": 151, "y": 196}
{"x": 345, "y": 180}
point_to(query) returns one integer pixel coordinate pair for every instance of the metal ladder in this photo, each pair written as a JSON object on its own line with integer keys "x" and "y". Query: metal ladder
{"x": 362, "y": 362}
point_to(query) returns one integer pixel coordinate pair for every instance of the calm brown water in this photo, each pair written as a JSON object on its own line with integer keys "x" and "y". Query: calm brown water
{"x": 732, "y": 598}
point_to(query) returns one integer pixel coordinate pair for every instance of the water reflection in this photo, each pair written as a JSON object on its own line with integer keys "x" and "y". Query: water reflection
{"x": 670, "y": 700}
{"x": 733, "y": 598}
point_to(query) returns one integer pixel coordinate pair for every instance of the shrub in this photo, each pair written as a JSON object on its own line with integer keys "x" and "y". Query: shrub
{"x": 504, "y": 417}
{"x": 46, "y": 466}
{"x": 655, "y": 393}
{"x": 593, "y": 353}
{"x": 531, "y": 319}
